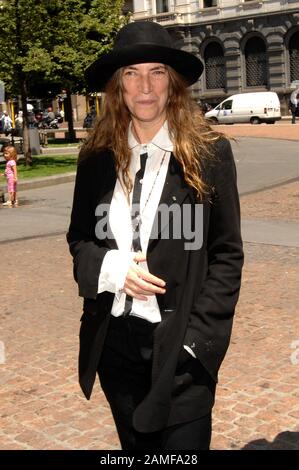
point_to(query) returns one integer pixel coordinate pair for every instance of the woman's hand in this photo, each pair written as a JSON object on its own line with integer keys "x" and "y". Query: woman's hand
{"x": 140, "y": 283}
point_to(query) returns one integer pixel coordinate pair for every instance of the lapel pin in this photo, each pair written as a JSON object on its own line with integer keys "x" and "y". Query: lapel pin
{"x": 174, "y": 198}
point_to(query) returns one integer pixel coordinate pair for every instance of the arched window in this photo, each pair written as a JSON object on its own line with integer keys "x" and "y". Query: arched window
{"x": 214, "y": 66}
{"x": 256, "y": 62}
{"x": 294, "y": 56}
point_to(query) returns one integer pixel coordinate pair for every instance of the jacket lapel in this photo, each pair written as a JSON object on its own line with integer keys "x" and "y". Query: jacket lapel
{"x": 174, "y": 193}
{"x": 104, "y": 183}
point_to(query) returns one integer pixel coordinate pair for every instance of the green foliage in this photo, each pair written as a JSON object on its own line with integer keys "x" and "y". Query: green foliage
{"x": 51, "y": 42}
{"x": 23, "y": 46}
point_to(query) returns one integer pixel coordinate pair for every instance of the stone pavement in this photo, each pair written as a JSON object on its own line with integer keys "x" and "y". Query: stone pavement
{"x": 257, "y": 402}
{"x": 261, "y": 163}
{"x": 41, "y": 406}
{"x": 280, "y": 130}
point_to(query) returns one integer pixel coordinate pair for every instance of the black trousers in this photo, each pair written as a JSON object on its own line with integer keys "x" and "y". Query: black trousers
{"x": 293, "y": 118}
{"x": 125, "y": 376}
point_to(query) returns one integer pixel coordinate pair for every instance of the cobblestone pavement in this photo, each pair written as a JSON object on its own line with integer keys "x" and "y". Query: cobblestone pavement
{"x": 41, "y": 406}
{"x": 280, "y": 130}
{"x": 281, "y": 203}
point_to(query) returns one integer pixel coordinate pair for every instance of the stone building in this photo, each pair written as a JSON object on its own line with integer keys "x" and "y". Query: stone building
{"x": 246, "y": 45}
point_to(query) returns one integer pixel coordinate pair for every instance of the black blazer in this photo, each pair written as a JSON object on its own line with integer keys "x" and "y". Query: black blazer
{"x": 202, "y": 285}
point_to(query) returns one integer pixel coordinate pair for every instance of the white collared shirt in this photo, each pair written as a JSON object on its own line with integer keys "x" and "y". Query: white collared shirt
{"x": 116, "y": 262}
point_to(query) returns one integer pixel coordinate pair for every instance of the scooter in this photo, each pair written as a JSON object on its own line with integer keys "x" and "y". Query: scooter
{"x": 46, "y": 124}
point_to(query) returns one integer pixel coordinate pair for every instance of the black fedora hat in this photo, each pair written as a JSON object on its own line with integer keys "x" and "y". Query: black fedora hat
{"x": 142, "y": 42}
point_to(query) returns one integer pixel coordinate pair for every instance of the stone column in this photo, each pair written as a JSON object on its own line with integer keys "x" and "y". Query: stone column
{"x": 276, "y": 62}
{"x": 233, "y": 64}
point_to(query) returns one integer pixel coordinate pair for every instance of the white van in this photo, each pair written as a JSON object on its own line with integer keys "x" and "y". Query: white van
{"x": 247, "y": 107}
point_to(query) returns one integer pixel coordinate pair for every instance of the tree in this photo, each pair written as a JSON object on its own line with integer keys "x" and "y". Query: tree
{"x": 85, "y": 33}
{"x": 22, "y": 51}
{"x": 48, "y": 44}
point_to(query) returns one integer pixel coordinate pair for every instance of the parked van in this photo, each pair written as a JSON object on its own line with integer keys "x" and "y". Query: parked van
{"x": 247, "y": 107}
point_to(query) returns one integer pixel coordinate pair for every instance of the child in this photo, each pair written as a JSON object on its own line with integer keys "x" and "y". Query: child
{"x": 10, "y": 155}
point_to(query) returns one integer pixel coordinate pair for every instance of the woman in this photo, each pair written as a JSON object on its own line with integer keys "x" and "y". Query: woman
{"x": 155, "y": 238}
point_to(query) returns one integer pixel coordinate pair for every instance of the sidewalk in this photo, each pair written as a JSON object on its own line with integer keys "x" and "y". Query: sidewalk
{"x": 32, "y": 183}
{"x": 60, "y": 150}
{"x": 283, "y": 130}
{"x": 280, "y": 130}
{"x": 41, "y": 404}
{"x": 257, "y": 402}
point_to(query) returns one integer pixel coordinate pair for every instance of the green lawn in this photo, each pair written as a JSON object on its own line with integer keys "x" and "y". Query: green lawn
{"x": 44, "y": 165}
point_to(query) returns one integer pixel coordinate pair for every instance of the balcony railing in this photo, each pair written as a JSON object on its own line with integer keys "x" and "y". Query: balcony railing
{"x": 172, "y": 17}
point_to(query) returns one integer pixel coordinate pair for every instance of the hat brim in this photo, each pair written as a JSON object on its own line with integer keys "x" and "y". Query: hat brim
{"x": 99, "y": 72}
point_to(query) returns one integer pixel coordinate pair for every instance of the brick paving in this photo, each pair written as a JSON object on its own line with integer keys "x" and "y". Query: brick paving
{"x": 41, "y": 406}
{"x": 258, "y": 397}
{"x": 281, "y": 203}
{"x": 257, "y": 403}
{"x": 280, "y": 130}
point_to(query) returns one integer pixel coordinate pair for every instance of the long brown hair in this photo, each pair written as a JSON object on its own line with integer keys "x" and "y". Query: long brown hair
{"x": 192, "y": 136}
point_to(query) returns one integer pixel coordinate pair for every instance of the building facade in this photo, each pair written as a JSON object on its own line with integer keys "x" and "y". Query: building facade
{"x": 245, "y": 45}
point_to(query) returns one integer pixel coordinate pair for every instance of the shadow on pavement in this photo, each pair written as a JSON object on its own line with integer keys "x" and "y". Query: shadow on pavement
{"x": 286, "y": 440}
